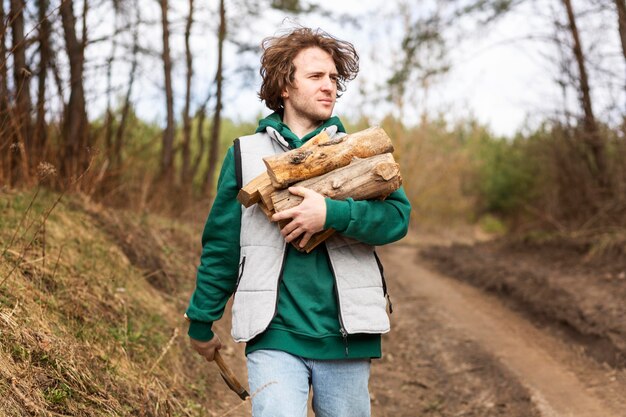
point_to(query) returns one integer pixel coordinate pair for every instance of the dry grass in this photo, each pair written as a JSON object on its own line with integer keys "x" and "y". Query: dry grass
{"x": 434, "y": 166}
{"x": 85, "y": 328}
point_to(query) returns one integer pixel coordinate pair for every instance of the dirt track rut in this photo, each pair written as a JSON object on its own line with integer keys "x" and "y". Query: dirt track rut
{"x": 561, "y": 381}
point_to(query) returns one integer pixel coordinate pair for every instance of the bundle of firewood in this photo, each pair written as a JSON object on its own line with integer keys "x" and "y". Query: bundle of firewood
{"x": 358, "y": 166}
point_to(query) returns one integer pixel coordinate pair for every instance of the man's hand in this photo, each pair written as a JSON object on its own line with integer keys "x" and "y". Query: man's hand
{"x": 308, "y": 217}
{"x": 207, "y": 349}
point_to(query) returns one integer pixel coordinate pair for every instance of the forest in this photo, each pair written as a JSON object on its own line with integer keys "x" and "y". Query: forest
{"x": 71, "y": 74}
{"x": 116, "y": 115}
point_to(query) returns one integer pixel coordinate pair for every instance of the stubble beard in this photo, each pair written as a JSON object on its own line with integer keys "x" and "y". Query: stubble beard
{"x": 313, "y": 113}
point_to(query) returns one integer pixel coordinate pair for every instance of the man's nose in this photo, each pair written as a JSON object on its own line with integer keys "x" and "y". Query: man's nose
{"x": 327, "y": 84}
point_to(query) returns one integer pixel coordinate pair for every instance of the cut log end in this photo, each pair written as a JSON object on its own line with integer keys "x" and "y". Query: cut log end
{"x": 387, "y": 171}
{"x": 246, "y": 198}
{"x": 250, "y": 193}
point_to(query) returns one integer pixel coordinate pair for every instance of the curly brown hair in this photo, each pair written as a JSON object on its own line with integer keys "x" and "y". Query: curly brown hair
{"x": 277, "y": 68}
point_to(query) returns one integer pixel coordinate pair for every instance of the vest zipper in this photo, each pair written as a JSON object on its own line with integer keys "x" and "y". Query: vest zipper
{"x": 342, "y": 328}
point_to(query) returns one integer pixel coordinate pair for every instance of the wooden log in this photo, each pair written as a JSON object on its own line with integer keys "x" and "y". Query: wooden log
{"x": 261, "y": 186}
{"x": 364, "y": 179}
{"x": 249, "y": 194}
{"x": 315, "y": 240}
{"x": 321, "y": 137}
{"x": 265, "y": 193}
{"x": 325, "y": 156}
{"x": 268, "y": 213}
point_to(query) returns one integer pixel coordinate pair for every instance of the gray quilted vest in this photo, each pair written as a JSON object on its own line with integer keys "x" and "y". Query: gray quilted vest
{"x": 358, "y": 274}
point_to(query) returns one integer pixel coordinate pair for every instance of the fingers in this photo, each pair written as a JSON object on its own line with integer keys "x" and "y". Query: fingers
{"x": 305, "y": 239}
{"x": 300, "y": 191}
{"x": 207, "y": 349}
{"x": 293, "y": 235}
{"x": 306, "y": 218}
{"x": 209, "y": 355}
{"x": 282, "y": 215}
{"x": 290, "y": 213}
{"x": 291, "y": 230}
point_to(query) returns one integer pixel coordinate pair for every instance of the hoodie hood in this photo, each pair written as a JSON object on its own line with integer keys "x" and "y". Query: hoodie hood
{"x": 275, "y": 122}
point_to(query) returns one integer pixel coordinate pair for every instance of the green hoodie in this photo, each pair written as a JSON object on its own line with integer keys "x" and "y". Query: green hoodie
{"x": 307, "y": 318}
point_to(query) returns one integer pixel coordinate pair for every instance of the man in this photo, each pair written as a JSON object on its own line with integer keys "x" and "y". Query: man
{"x": 311, "y": 321}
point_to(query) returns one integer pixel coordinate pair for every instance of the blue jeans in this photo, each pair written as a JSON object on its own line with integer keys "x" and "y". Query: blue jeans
{"x": 280, "y": 382}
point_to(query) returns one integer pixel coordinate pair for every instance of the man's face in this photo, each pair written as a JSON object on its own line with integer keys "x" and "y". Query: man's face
{"x": 314, "y": 90}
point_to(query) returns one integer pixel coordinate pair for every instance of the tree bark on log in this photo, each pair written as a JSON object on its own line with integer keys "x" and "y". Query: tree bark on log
{"x": 262, "y": 185}
{"x": 319, "y": 158}
{"x": 363, "y": 179}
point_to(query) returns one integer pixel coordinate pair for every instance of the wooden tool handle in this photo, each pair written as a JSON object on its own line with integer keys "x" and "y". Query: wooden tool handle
{"x": 229, "y": 377}
{"x": 223, "y": 367}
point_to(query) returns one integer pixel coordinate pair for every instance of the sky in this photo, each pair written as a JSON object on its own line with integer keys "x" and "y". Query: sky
{"x": 497, "y": 77}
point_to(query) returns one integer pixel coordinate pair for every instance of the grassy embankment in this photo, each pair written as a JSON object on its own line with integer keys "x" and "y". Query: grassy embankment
{"x": 91, "y": 304}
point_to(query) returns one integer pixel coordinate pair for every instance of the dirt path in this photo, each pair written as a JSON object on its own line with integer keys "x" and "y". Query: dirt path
{"x": 559, "y": 379}
{"x": 456, "y": 351}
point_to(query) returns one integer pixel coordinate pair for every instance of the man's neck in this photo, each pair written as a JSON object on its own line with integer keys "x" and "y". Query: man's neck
{"x": 300, "y": 126}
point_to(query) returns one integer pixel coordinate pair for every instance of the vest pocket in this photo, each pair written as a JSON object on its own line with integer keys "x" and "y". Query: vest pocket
{"x": 382, "y": 277}
{"x": 242, "y": 265}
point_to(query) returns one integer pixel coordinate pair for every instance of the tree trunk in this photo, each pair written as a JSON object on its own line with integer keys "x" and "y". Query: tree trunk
{"x": 217, "y": 115}
{"x": 58, "y": 81}
{"x": 621, "y": 22}
{"x": 167, "y": 155}
{"x": 21, "y": 77}
{"x": 84, "y": 25}
{"x": 108, "y": 121}
{"x": 119, "y": 137}
{"x": 307, "y": 162}
{"x": 5, "y": 130}
{"x": 75, "y": 127}
{"x": 186, "y": 180}
{"x": 41, "y": 134}
{"x": 593, "y": 137}
{"x": 200, "y": 116}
